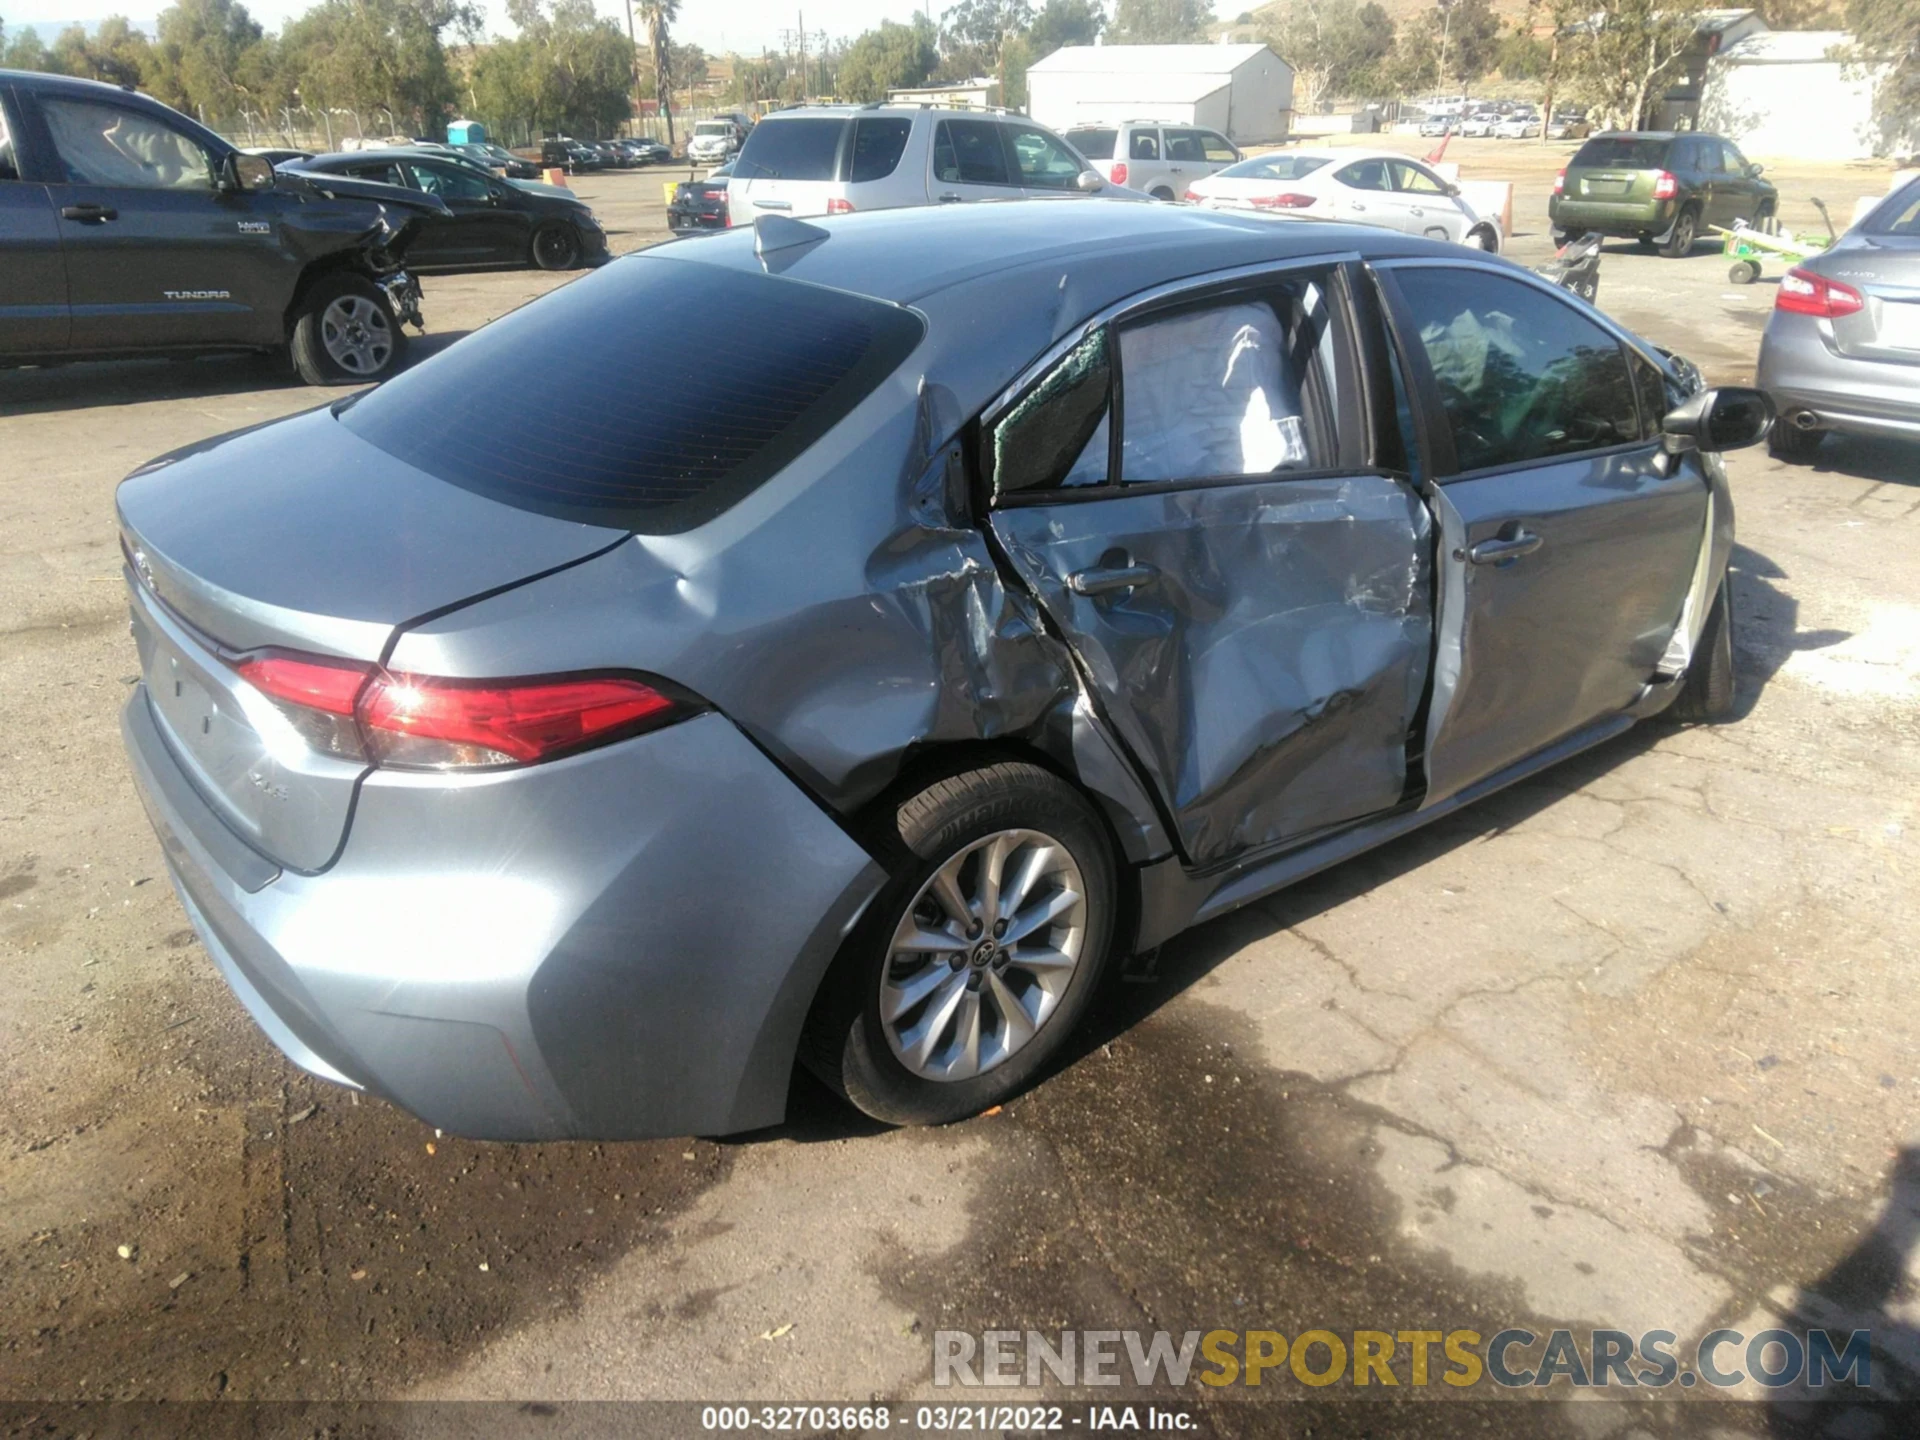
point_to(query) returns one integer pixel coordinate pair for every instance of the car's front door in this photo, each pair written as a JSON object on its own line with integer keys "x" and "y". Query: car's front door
{"x": 156, "y": 254}
{"x": 34, "y": 314}
{"x": 1568, "y": 544}
{"x": 1742, "y": 188}
{"x": 1043, "y": 164}
{"x": 970, "y": 163}
{"x": 1187, "y": 492}
{"x": 486, "y": 228}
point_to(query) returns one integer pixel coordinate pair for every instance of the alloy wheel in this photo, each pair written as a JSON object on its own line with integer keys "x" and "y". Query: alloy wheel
{"x": 983, "y": 956}
{"x": 357, "y": 335}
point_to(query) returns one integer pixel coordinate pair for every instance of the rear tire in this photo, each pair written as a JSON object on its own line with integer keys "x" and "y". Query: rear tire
{"x": 1686, "y": 228}
{"x": 1161, "y": 193}
{"x": 555, "y": 247}
{"x": 1791, "y": 443}
{"x": 346, "y": 333}
{"x": 1708, "y": 692}
{"x": 909, "y": 1036}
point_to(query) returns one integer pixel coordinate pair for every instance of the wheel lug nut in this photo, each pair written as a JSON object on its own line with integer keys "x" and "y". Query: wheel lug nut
{"x": 974, "y": 927}
{"x": 999, "y": 928}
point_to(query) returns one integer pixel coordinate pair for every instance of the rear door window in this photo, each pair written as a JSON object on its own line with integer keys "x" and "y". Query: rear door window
{"x": 968, "y": 152}
{"x": 1144, "y": 145}
{"x": 1186, "y": 146}
{"x": 1623, "y": 152}
{"x": 1365, "y": 175}
{"x": 778, "y": 364}
{"x": 1222, "y": 389}
{"x": 878, "y": 143}
{"x": 799, "y": 149}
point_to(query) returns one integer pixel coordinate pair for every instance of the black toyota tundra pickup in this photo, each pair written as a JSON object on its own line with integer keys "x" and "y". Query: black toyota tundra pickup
{"x": 127, "y": 229}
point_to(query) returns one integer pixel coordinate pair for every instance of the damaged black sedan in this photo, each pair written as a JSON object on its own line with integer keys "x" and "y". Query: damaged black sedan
{"x": 127, "y": 229}
{"x": 984, "y": 594}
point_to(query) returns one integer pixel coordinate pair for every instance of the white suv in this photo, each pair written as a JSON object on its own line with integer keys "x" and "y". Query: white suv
{"x": 713, "y": 141}
{"x": 831, "y": 159}
{"x": 1154, "y": 158}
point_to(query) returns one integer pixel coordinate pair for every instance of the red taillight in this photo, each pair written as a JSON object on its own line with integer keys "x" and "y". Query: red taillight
{"x": 1802, "y": 292}
{"x": 1560, "y": 181}
{"x": 1665, "y": 187}
{"x": 1119, "y": 173}
{"x": 422, "y": 722}
{"x": 315, "y": 684}
{"x": 1285, "y": 202}
{"x": 1193, "y": 197}
{"x": 837, "y": 206}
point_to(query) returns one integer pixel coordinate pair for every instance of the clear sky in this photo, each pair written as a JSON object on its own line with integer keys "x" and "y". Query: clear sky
{"x": 717, "y": 26}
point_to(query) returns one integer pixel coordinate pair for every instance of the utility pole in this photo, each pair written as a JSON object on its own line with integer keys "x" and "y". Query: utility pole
{"x": 633, "y": 45}
{"x": 1446, "y": 27}
{"x": 1553, "y": 74}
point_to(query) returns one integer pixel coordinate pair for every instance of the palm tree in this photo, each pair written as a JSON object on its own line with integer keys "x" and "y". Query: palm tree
{"x": 659, "y": 14}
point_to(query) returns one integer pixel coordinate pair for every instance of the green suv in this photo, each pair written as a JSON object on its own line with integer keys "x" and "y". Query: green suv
{"x": 1657, "y": 187}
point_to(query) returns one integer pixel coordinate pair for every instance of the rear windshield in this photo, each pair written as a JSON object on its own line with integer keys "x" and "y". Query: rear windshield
{"x": 1094, "y": 144}
{"x": 713, "y": 127}
{"x": 1273, "y": 167}
{"x": 792, "y": 149}
{"x": 1623, "y": 152}
{"x": 537, "y": 410}
{"x": 1899, "y": 214}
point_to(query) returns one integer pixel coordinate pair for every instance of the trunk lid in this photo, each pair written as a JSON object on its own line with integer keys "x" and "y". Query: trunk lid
{"x": 1886, "y": 272}
{"x": 300, "y": 536}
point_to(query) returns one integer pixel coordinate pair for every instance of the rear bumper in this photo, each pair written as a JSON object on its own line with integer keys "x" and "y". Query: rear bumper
{"x": 619, "y": 945}
{"x": 1805, "y": 375}
{"x": 1628, "y": 218}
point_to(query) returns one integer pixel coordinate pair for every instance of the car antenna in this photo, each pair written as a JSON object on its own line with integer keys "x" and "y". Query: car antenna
{"x": 773, "y": 233}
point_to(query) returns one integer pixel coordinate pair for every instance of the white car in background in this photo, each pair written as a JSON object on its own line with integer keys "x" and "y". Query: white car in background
{"x": 1365, "y": 187}
{"x": 1521, "y": 125}
{"x": 1480, "y": 124}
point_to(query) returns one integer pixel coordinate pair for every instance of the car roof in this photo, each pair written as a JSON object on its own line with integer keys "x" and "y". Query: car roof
{"x": 1000, "y": 281}
{"x": 391, "y": 152}
{"x": 904, "y": 255}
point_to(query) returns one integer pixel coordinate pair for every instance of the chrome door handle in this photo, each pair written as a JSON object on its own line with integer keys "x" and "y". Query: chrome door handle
{"x": 1101, "y": 581}
{"x": 1501, "y": 551}
{"x": 950, "y": 198}
{"x": 1355, "y": 204}
{"x": 773, "y": 204}
{"x": 89, "y": 214}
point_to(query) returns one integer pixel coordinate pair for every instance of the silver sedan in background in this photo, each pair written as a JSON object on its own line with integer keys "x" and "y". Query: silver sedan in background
{"x": 1842, "y": 348}
{"x": 993, "y": 592}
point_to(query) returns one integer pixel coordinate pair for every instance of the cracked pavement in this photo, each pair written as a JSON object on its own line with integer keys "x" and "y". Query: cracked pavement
{"x": 1632, "y": 1044}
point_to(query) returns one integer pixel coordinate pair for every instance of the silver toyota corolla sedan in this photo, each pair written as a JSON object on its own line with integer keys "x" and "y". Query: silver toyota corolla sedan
{"x": 982, "y": 595}
{"x": 1842, "y": 348}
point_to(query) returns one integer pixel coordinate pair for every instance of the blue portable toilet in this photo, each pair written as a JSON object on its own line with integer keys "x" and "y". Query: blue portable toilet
{"x": 466, "y": 132}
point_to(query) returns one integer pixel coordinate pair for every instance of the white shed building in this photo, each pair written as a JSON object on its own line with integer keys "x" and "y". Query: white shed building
{"x": 1243, "y": 91}
{"x": 1780, "y": 93}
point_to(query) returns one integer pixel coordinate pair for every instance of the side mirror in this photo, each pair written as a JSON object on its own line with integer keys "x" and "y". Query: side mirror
{"x": 1754, "y": 171}
{"x": 246, "y": 172}
{"x": 1730, "y": 417}
{"x": 1089, "y": 182}
{"x": 1453, "y": 191}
